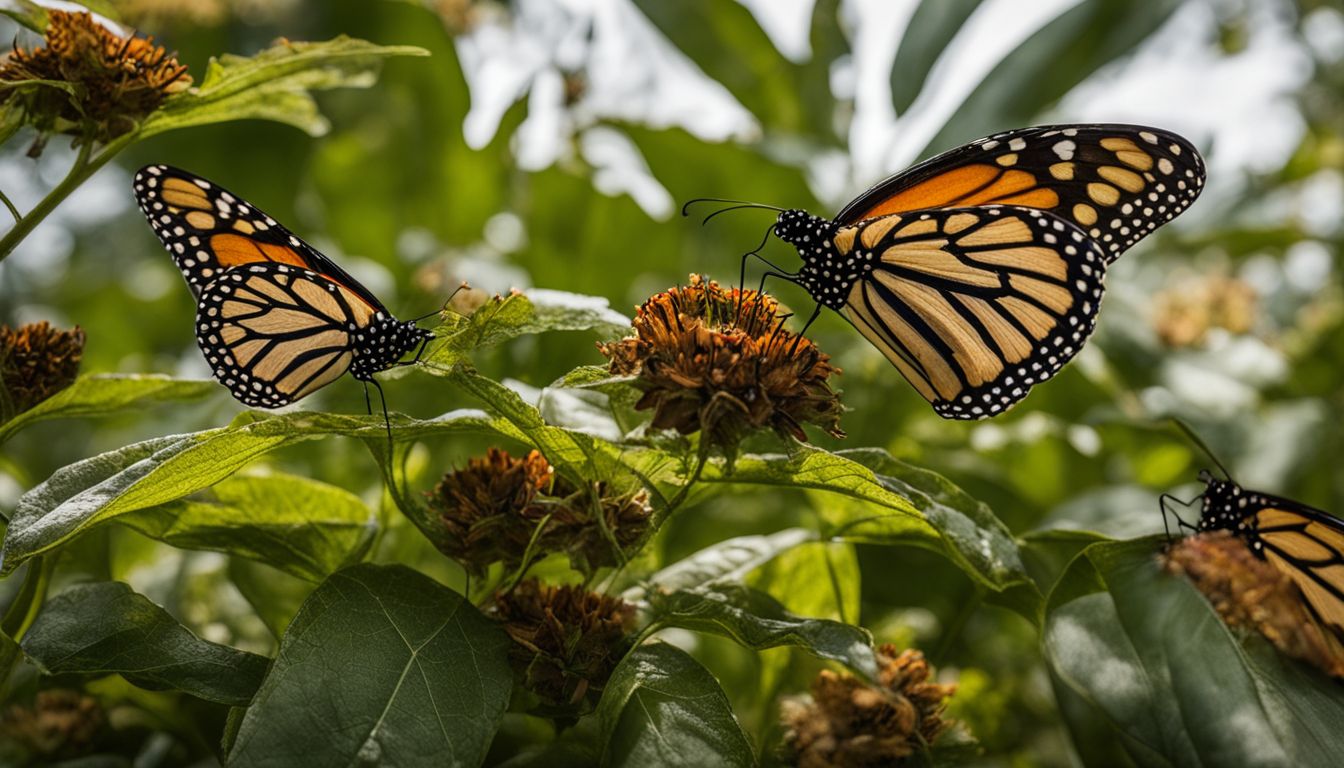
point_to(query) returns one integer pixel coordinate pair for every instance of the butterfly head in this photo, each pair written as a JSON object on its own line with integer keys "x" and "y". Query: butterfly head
{"x": 1224, "y": 503}
{"x": 802, "y": 230}
{"x": 382, "y": 343}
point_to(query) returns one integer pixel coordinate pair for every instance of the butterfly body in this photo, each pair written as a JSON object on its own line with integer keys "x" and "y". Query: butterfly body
{"x": 1305, "y": 543}
{"x": 276, "y": 319}
{"x": 979, "y": 273}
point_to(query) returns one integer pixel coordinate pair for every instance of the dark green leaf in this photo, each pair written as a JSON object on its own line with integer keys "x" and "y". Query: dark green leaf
{"x": 104, "y": 628}
{"x": 758, "y": 621}
{"x": 1178, "y": 687}
{"x": 662, "y": 708}
{"x": 26, "y": 12}
{"x": 928, "y": 34}
{"x": 300, "y": 526}
{"x": 102, "y": 394}
{"x": 382, "y": 666}
{"x": 728, "y": 560}
{"x": 275, "y": 84}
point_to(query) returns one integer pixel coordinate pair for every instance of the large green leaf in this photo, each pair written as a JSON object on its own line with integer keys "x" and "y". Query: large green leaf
{"x": 662, "y": 708}
{"x": 105, "y": 628}
{"x": 927, "y": 35}
{"x": 758, "y": 621}
{"x": 1152, "y": 658}
{"x": 901, "y": 505}
{"x": 300, "y": 526}
{"x": 275, "y": 84}
{"x": 728, "y": 560}
{"x": 102, "y": 394}
{"x": 382, "y": 666}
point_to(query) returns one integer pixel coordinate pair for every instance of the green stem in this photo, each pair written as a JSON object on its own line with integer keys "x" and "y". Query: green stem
{"x": 12, "y": 210}
{"x": 86, "y": 164}
{"x": 22, "y": 613}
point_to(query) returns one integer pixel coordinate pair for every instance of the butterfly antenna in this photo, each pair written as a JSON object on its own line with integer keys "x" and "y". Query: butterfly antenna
{"x": 686, "y": 209}
{"x": 1194, "y": 438}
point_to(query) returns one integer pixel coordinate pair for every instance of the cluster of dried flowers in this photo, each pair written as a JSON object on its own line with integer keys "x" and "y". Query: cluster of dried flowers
{"x": 847, "y": 723}
{"x": 1250, "y": 592}
{"x": 59, "y": 725}
{"x": 720, "y": 362}
{"x": 87, "y": 80}
{"x": 36, "y": 362}
{"x": 500, "y": 509}
{"x": 1185, "y": 314}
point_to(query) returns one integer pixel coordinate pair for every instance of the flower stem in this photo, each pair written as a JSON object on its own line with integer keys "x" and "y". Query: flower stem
{"x": 12, "y": 210}
{"x": 21, "y": 614}
{"x": 86, "y": 164}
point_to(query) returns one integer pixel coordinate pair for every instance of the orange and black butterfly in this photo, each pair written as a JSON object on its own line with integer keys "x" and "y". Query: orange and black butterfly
{"x": 1304, "y": 543}
{"x": 979, "y": 273}
{"x": 275, "y": 319}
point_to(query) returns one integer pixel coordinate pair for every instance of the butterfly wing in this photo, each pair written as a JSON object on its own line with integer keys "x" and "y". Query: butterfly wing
{"x": 1307, "y": 545}
{"x": 973, "y": 306}
{"x": 1115, "y": 182}
{"x": 208, "y": 230}
{"x": 274, "y": 333}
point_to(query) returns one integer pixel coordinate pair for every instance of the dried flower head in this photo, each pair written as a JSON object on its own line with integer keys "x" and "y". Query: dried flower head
{"x": 61, "y": 724}
{"x": 36, "y": 362}
{"x": 497, "y": 507}
{"x": 110, "y": 82}
{"x": 852, "y": 724}
{"x": 1186, "y": 313}
{"x": 566, "y": 640}
{"x": 1252, "y": 593}
{"x": 720, "y": 362}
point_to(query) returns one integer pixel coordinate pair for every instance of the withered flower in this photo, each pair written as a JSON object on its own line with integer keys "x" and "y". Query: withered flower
{"x": 1186, "y": 313}
{"x": 566, "y": 640}
{"x": 36, "y": 362}
{"x": 1250, "y": 592}
{"x": 111, "y": 82}
{"x": 61, "y": 724}
{"x": 851, "y": 724}
{"x": 497, "y": 506}
{"x": 720, "y": 362}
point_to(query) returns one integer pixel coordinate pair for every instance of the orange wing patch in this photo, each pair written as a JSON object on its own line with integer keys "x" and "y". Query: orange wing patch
{"x": 968, "y": 186}
{"x": 233, "y": 250}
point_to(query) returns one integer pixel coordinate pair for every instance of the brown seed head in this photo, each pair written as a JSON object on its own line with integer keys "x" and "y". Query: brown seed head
{"x": 36, "y": 362}
{"x": 497, "y": 506}
{"x": 1185, "y": 313}
{"x": 566, "y": 640}
{"x": 851, "y": 724}
{"x": 720, "y": 362}
{"x": 1250, "y": 592}
{"x": 61, "y": 724}
{"x": 113, "y": 82}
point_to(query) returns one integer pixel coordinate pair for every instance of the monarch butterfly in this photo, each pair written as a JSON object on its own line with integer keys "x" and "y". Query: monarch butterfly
{"x": 275, "y": 319}
{"x": 978, "y": 273}
{"x": 1304, "y": 543}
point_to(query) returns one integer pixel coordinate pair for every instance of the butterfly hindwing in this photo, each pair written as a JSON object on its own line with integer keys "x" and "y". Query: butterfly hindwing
{"x": 1115, "y": 182}
{"x": 973, "y": 306}
{"x": 208, "y": 230}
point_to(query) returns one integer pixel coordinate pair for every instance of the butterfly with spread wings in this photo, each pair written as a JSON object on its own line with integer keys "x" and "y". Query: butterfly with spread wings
{"x": 276, "y": 320}
{"x": 978, "y": 273}
{"x": 1304, "y": 543}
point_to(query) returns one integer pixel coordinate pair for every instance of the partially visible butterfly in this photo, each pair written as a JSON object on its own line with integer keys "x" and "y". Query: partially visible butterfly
{"x": 978, "y": 273}
{"x": 1304, "y": 543}
{"x": 275, "y": 319}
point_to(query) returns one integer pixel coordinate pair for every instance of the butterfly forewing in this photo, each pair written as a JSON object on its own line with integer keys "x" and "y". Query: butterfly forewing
{"x": 1116, "y": 182}
{"x": 973, "y": 305}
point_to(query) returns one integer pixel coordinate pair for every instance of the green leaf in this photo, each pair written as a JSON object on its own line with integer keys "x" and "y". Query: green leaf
{"x": 729, "y": 560}
{"x": 303, "y": 527}
{"x": 382, "y": 666}
{"x": 758, "y": 621}
{"x": 1177, "y": 686}
{"x": 928, "y": 34}
{"x": 662, "y": 708}
{"x": 508, "y": 317}
{"x": 104, "y": 628}
{"x": 901, "y": 505}
{"x": 275, "y": 84}
{"x": 102, "y": 394}
{"x": 27, "y": 13}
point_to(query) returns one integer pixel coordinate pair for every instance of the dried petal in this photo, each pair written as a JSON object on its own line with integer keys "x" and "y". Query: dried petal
{"x": 36, "y": 362}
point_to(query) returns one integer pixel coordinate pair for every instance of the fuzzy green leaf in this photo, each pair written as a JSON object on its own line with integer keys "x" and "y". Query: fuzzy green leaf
{"x": 104, "y": 628}
{"x": 275, "y": 84}
{"x": 102, "y": 394}
{"x": 381, "y": 666}
{"x": 519, "y": 314}
{"x": 662, "y": 708}
{"x": 1145, "y": 651}
{"x": 303, "y": 527}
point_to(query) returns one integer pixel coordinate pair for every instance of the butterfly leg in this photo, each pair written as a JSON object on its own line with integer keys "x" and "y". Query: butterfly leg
{"x": 815, "y": 313}
{"x": 387, "y": 421}
{"x": 1181, "y": 525}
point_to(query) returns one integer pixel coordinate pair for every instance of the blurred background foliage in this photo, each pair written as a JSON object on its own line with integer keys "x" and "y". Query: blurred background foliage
{"x": 550, "y": 144}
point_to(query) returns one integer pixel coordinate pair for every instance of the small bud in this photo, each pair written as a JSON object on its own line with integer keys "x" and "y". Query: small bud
{"x": 36, "y": 362}
{"x": 720, "y": 363}
{"x": 847, "y": 722}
